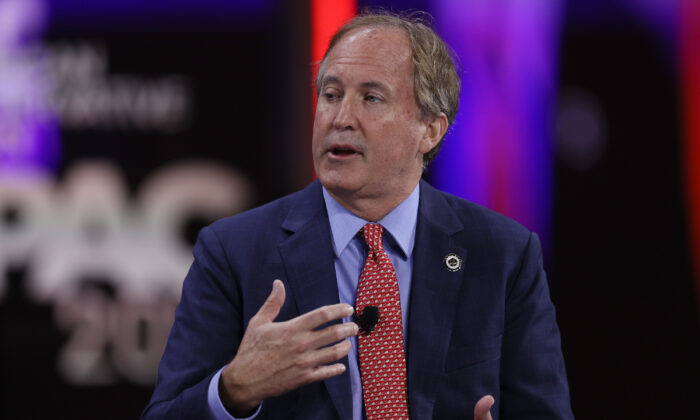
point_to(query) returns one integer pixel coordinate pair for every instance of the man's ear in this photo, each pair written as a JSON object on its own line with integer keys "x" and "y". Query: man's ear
{"x": 435, "y": 129}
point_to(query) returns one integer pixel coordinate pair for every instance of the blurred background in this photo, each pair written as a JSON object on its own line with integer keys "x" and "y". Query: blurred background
{"x": 127, "y": 125}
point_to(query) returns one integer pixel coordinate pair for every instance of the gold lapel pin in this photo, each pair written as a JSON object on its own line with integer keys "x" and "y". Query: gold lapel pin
{"x": 453, "y": 262}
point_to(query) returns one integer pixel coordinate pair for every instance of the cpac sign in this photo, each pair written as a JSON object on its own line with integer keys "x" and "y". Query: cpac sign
{"x": 110, "y": 265}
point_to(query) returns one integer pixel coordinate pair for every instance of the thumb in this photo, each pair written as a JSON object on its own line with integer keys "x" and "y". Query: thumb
{"x": 271, "y": 308}
{"x": 483, "y": 407}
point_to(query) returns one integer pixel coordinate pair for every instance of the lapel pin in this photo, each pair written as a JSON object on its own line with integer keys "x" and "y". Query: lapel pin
{"x": 453, "y": 262}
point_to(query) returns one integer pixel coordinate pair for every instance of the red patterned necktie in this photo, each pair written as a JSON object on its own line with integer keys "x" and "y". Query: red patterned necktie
{"x": 382, "y": 360}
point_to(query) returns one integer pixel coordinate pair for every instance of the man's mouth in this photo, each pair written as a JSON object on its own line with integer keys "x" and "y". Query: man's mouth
{"x": 343, "y": 151}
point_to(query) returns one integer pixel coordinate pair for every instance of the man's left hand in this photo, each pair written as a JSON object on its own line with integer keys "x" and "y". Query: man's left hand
{"x": 482, "y": 409}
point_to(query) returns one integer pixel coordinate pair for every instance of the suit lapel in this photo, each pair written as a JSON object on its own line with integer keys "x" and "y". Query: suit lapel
{"x": 434, "y": 293}
{"x": 308, "y": 258}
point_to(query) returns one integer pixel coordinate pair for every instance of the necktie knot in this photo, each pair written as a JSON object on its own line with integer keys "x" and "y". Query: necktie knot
{"x": 372, "y": 233}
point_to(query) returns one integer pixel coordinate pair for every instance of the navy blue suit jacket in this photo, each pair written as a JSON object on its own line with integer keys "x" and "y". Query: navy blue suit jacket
{"x": 488, "y": 328}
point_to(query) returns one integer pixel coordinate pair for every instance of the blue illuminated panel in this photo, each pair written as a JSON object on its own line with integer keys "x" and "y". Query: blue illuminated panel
{"x": 499, "y": 153}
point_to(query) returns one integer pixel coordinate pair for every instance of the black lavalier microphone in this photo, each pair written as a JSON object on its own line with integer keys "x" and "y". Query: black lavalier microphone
{"x": 367, "y": 319}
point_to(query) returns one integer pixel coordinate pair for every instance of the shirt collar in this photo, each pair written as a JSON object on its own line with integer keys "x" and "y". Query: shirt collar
{"x": 400, "y": 222}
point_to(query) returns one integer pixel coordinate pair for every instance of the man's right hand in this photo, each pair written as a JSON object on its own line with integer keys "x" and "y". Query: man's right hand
{"x": 277, "y": 357}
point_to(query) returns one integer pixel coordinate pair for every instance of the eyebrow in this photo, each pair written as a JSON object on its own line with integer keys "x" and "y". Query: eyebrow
{"x": 375, "y": 85}
{"x": 329, "y": 79}
{"x": 372, "y": 84}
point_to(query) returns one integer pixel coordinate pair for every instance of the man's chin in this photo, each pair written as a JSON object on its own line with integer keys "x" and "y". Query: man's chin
{"x": 338, "y": 186}
{"x": 338, "y": 183}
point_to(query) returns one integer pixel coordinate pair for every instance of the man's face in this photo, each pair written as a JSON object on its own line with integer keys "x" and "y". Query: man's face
{"x": 368, "y": 139}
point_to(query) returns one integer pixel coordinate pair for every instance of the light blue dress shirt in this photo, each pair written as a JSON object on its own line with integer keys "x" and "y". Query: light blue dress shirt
{"x": 350, "y": 252}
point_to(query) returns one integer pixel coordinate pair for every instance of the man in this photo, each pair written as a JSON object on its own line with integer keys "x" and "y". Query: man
{"x": 468, "y": 296}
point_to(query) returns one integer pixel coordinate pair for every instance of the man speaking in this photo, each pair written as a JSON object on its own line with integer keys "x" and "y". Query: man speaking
{"x": 390, "y": 299}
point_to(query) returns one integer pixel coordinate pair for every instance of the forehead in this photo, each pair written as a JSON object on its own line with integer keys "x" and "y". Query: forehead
{"x": 380, "y": 51}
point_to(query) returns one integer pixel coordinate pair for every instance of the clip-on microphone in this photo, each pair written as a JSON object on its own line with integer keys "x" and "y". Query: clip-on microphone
{"x": 368, "y": 319}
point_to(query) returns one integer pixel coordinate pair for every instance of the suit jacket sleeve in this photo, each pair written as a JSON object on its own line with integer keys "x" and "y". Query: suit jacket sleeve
{"x": 235, "y": 261}
{"x": 206, "y": 333}
{"x": 533, "y": 375}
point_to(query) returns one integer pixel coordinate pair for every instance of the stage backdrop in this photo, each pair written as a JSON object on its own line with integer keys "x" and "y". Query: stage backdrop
{"x": 126, "y": 126}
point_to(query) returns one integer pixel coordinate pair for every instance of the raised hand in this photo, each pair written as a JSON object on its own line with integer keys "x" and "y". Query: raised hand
{"x": 277, "y": 357}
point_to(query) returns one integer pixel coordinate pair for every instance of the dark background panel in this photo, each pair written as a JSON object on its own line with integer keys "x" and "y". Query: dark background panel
{"x": 622, "y": 275}
{"x": 246, "y": 71}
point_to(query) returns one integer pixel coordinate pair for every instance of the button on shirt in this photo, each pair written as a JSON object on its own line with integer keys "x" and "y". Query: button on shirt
{"x": 350, "y": 252}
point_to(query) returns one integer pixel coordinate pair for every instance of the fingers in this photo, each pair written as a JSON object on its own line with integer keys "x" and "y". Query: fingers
{"x": 314, "y": 367}
{"x": 323, "y": 315}
{"x": 309, "y": 321}
{"x": 333, "y": 334}
{"x": 325, "y": 372}
{"x": 483, "y": 407}
{"x": 271, "y": 308}
{"x": 331, "y": 354}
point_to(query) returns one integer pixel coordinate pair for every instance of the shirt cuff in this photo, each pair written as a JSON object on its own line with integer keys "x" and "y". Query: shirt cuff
{"x": 216, "y": 407}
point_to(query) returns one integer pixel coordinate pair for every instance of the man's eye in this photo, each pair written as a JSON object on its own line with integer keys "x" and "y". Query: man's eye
{"x": 372, "y": 98}
{"x": 330, "y": 96}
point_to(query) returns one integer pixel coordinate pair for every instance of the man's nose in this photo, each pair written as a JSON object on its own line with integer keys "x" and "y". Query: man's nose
{"x": 346, "y": 118}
